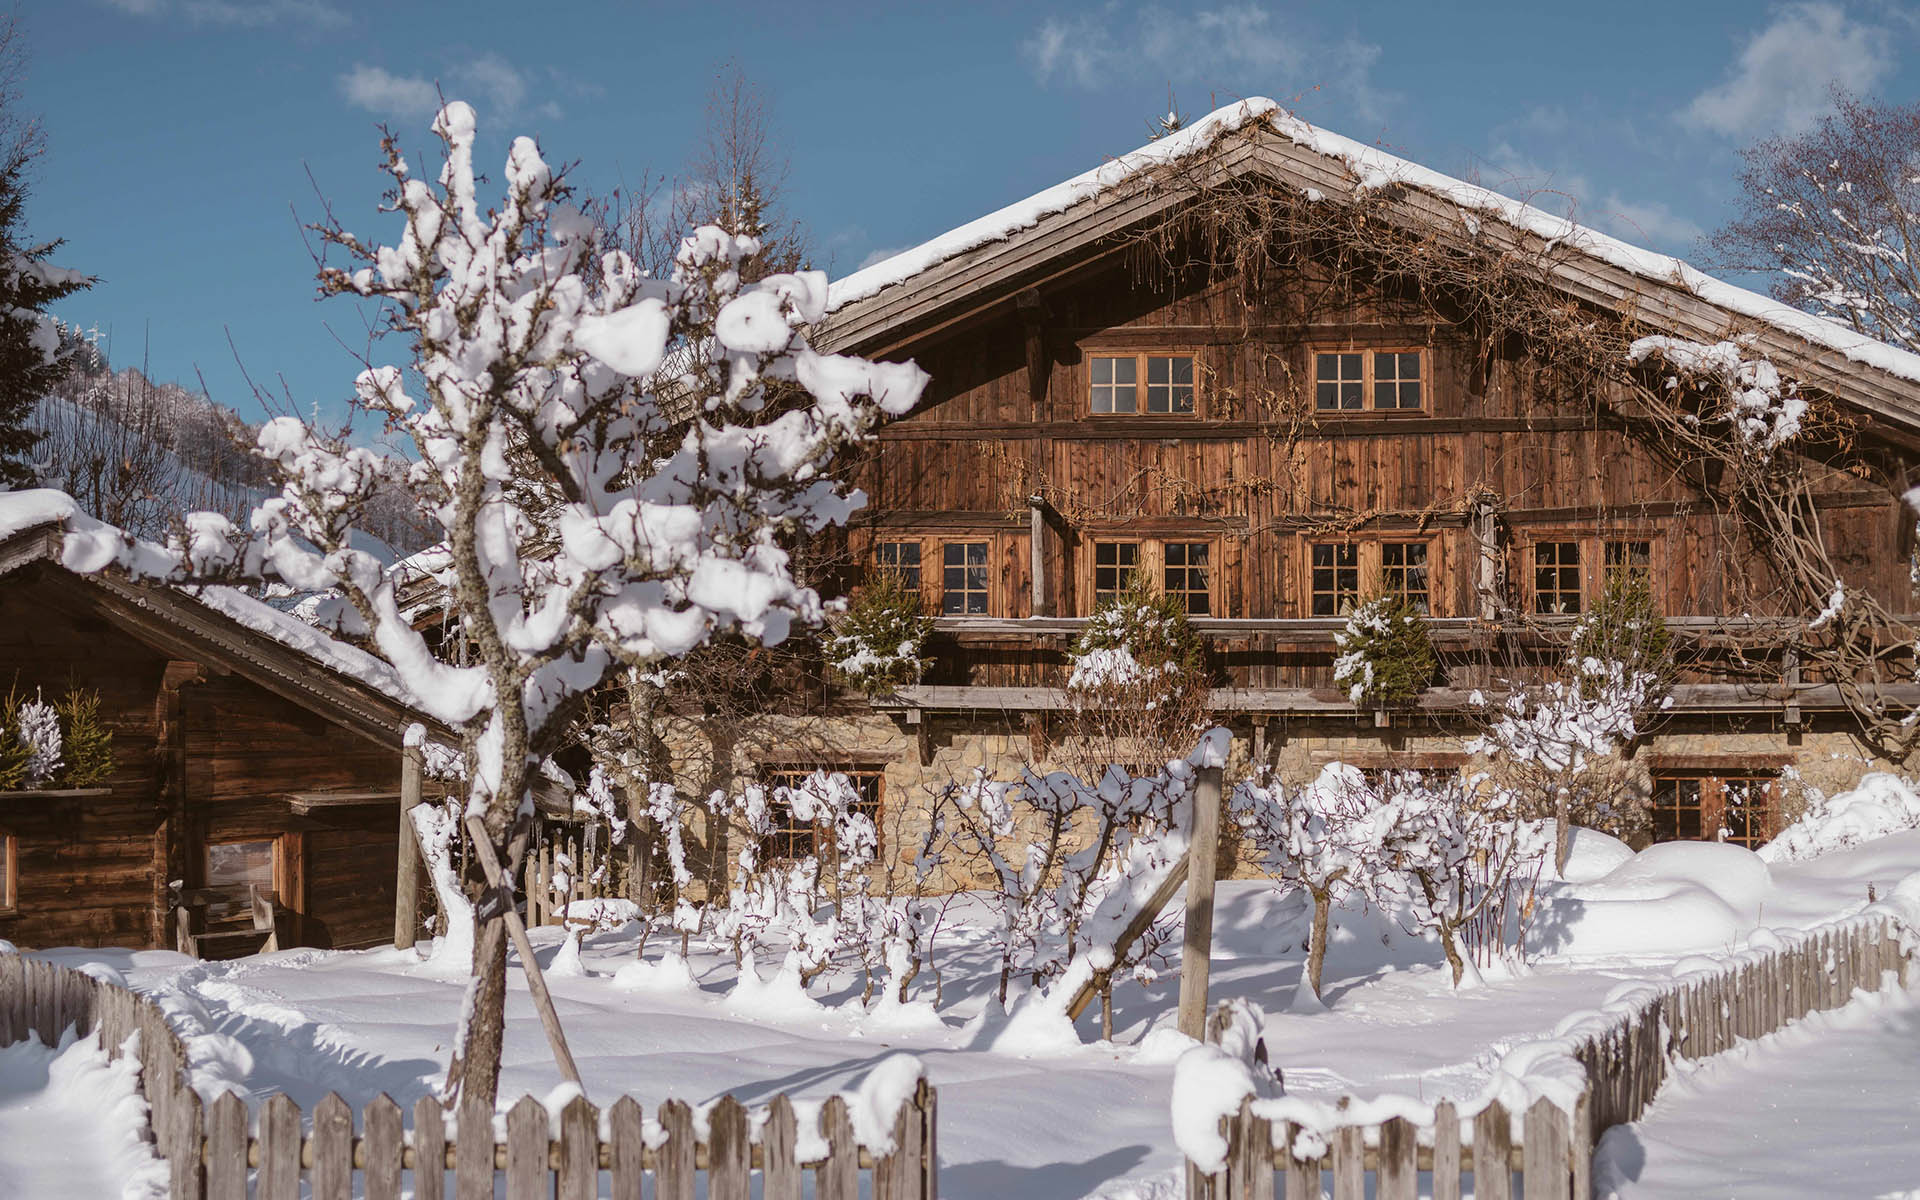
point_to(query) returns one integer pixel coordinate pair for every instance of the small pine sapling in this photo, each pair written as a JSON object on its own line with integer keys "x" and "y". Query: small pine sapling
{"x": 89, "y": 743}
{"x": 881, "y": 641}
{"x": 1385, "y": 656}
{"x": 14, "y": 752}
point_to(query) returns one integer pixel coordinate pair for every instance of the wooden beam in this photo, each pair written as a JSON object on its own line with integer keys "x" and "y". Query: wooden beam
{"x": 406, "y": 880}
{"x": 1203, "y": 860}
{"x": 307, "y": 803}
{"x": 536, "y": 984}
{"x": 1037, "y": 554}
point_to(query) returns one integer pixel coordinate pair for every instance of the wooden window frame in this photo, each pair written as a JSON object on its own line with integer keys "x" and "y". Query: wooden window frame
{"x": 1134, "y": 570}
{"x": 1593, "y": 561}
{"x": 1141, "y": 369}
{"x": 1372, "y": 577}
{"x": 919, "y": 568}
{"x": 1211, "y": 568}
{"x": 9, "y": 872}
{"x": 1152, "y": 564}
{"x": 1712, "y": 782}
{"x": 1006, "y": 596}
{"x": 778, "y": 775}
{"x": 940, "y": 583}
{"x": 1367, "y": 364}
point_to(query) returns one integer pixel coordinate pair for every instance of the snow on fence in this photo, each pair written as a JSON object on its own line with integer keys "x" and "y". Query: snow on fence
{"x": 1282, "y": 1147}
{"x": 212, "y": 1150}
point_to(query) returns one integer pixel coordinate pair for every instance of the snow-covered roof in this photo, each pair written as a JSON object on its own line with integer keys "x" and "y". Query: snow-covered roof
{"x": 1372, "y": 168}
{"x": 80, "y": 551}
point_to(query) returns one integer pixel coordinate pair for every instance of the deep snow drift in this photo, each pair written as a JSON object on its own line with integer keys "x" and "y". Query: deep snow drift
{"x": 1033, "y": 1118}
{"x": 69, "y": 1124}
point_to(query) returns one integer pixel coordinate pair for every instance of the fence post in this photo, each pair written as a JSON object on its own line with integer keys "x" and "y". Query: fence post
{"x": 1492, "y": 1154}
{"x": 186, "y": 1177}
{"x": 332, "y": 1177}
{"x": 1399, "y": 1174}
{"x": 627, "y": 1130}
{"x": 839, "y": 1177}
{"x": 729, "y": 1162}
{"x": 279, "y": 1150}
{"x": 1446, "y": 1151}
{"x": 383, "y": 1138}
{"x": 473, "y": 1148}
{"x": 406, "y": 881}
{"x": 1203, "y": 854}
{"x": 227, "y": 1149}
{"x": 673, "y": 1174}
{"x": 528, "y": 1177}
{"x": 430, "y": 1149}
{"x": 1544, "y": 1168}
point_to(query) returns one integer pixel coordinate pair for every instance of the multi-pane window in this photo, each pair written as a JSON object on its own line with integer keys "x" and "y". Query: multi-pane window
{"x": 1556, "y": 577}
{"x": 1342, "y": 380}
{"x": 901, "y": 560}
{"x": 1738, "y": 807}
{"x": 1170, "y": 383}
{"x": 1335, "y": 577}
{"x": 1186, "y": 576}
{"x": 1115, "y": 383}
{"x": 1403, "y": 572}
{"x": 1113, "y": 566}
{"x": 963, "y": 579}
{"x": 790, "y": 840}
{"x": 1630, "y": 556}
{"x": 1339, "y": 381}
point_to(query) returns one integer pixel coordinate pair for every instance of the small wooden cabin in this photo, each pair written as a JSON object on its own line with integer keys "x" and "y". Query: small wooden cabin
{"x": 256, "y": 768}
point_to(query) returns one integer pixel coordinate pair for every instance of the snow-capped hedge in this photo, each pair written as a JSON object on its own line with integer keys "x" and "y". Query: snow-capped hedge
{"x": 1878, "y": 805}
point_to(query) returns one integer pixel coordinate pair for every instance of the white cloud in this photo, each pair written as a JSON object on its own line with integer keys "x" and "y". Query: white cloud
{"x": 876, "y": 256}
{"x": 243, "y": 14}
{"x": 377, "y": 90}
{"x": 493, "y": 85}
{"x": 1116, "y": 46}
{"x": 1781, "y": 81}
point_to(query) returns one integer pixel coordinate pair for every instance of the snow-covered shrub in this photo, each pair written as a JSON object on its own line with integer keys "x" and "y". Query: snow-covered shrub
{"x": 1137, "y": 685}
{"x": 881, "y": 642}
{"x": 1385, "y": 656}
{"x": 37, "y": 726}
{"x": 1879, "y": 805}
{"x": 1625, "y": 626}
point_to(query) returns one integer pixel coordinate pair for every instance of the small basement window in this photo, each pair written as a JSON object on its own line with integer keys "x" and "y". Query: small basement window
{"x": 1344, "y": 379}
{"x": 963, "y": 579}
{"x": 791, "y": 840}
{"x": 1739, "y": 807}
{"x": 1114, "y": 384}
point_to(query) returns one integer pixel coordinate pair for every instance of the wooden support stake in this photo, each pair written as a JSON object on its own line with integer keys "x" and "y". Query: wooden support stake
{"x": 1203, "y": 853}
{"x": 406, "y": 877}
{"x": 542, "y": 999}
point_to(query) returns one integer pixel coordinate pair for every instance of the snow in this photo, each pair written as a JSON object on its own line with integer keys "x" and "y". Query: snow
{"x": 70, "y": 1124}
{"x": 1829, "y": 1106}
{"x": 1373, "y": 169}
{"x": 1878, "y": 805}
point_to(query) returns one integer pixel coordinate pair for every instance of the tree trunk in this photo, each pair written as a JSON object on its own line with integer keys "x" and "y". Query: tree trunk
{"x": 1562, "y": 832}
{"x": 475, "y": 1066}
{"x": 1317, "y": 942}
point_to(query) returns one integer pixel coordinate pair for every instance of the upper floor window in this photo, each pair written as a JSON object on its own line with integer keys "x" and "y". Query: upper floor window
{"x": 964, "y": 579}
{"x": 1394, "y": 380}
{"x": 900, "y": 560}
{"x": 1187, "y": 575}
{"x": 1335, "y": 580}
{"x": 1403, "y": 573}
{"x": 1116, "y": 384}
{"x": 1556, "y": 577}
{"x": 1113, "y": 566}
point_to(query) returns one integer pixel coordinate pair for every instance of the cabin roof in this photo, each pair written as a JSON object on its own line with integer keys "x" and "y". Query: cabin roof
{"x": 226, "y": 628}
{"x": 989, "y": 260}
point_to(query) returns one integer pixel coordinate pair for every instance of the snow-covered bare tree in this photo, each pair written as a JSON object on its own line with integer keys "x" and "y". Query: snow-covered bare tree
{"x": 1834, "y": 215}
{"x": 662, "y": 514}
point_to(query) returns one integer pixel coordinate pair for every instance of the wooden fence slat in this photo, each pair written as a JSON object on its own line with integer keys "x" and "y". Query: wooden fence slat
{"x": 279, "y": 1149}
{"x": 382, "y": 1134}
{"x": 673, "y": 1177}
{"x": 1580, "y": 1148}
{"x": 227, "y": 1149}
{"x": 780, "y": 1172}
{"x": 579, "y": 1151}
{"x": 1446, "y": 1151}
{"x": 1303, "y": 1175}
{"x": 626, "y": 1128}
{"x": 429, "y": 1149}
{"x": 1250, "y": 1156}
{"x": 186, "y": 1176}
{"x": 1349, "y": 1163}
{"x": 1544, "y": 1152}
{"x": 838, "y": 1178}
{"x": 13, "y": 1000}
{"x": 332, "y": 1177}
{"x": 929, "y": 1098}
{"x": 528, "y": 1177}
{"x": 1399, "y": 1172}
{"x": 1492, "y": 1150}
{"x": 473, "y": 1148}
{"x": 897, "y": 1176}
{"x": 730, "y": 1157}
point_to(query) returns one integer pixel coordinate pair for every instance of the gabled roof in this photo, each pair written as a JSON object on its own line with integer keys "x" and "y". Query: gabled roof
{"x": 986, "y": 262}
{"x": 220, "y": 626}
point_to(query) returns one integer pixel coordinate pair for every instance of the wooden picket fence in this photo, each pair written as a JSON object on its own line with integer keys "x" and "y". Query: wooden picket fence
{"x": 214, "y": 1152}
{"x": 1625, "y": 1067}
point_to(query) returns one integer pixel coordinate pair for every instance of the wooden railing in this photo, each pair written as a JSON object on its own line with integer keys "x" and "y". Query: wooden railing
{"x": 214, "y": 1151}
{"x": 1625, "y": 1065}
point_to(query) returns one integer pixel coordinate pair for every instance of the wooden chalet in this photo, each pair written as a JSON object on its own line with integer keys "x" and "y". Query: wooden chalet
{"x": 1106, "y": 400}
{"x": 257, "y": 771}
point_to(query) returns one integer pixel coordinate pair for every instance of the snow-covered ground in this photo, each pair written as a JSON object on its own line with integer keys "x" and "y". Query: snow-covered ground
{"x": 1828, "y": 1106}
{"x": 1036, "y": 1120}
{"x": 70, "y": 1122}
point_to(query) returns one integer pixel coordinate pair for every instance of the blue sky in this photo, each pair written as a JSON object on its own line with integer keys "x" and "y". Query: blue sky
{"x": 187, "y": 138}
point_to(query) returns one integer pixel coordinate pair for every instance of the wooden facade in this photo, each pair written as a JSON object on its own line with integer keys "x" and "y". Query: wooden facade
{"x": 229, "y": 748}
